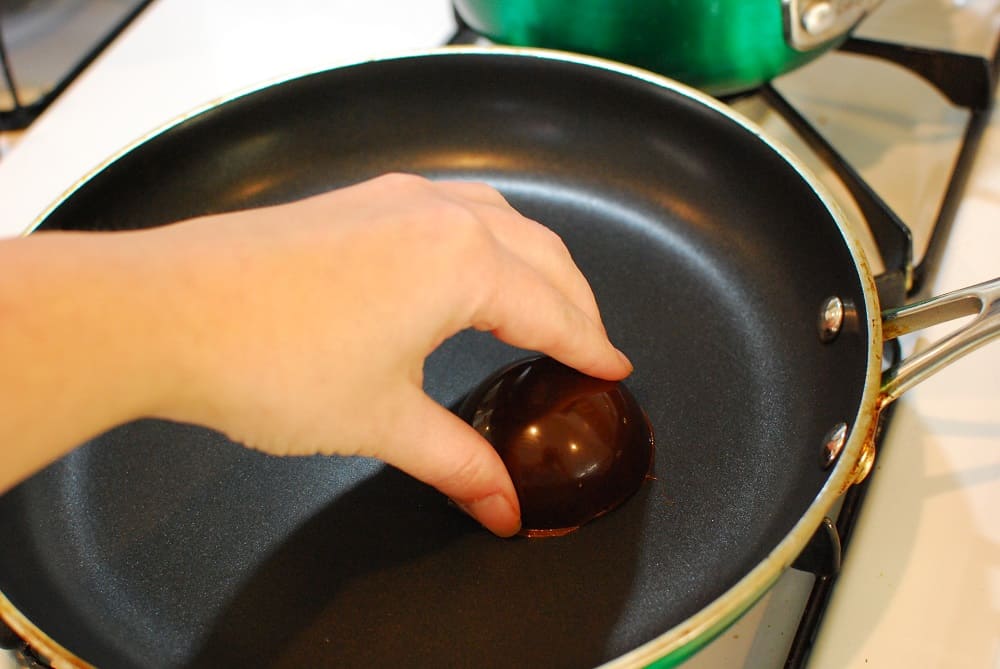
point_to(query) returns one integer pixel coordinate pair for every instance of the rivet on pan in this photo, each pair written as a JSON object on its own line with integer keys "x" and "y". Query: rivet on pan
{"x": 831, "y": 319}
{"x": 833, "y": 443}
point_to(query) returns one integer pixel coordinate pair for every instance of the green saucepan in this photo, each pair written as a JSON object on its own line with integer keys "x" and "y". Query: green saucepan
{"x": 720, "y": 46}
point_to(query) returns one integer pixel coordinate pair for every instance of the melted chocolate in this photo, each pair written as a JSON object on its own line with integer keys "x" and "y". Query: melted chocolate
{"x": 575, "y": 446}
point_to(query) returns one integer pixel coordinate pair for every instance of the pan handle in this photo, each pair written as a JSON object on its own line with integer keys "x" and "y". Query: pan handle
{"x": 981, "y": 300}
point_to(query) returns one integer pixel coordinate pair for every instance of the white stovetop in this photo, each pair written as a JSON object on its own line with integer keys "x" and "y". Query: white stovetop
{"x": 921, "y": 584}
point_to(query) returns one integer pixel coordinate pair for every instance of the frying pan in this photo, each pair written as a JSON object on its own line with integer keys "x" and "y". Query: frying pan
{"x": 712, "y": 254}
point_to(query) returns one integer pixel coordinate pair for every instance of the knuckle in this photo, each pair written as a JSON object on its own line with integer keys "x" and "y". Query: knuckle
{"x": 570, "y": 336}
{"x": 550, "y": 240}
{"x": 469, "y": 237}
{"x": 469, "y": 474}
{"x": 458, "y": 246}
{"x": 486, "y": 192}
{"x": 402, "y": 180}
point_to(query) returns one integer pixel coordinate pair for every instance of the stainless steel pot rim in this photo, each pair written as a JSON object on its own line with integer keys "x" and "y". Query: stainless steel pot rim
{"x": 683, "y": 640}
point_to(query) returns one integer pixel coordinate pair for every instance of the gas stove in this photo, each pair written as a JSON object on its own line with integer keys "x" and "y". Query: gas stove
{"x": 920, "y": 580}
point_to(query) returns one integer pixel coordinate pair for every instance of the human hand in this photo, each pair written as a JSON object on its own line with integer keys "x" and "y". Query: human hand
{"x": 303, "y": 328}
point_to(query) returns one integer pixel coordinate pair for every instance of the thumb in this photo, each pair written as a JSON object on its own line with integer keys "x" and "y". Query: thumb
{"x": 441, "y": 450}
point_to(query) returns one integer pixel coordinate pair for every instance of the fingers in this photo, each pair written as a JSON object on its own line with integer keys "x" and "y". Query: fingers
{"x": 526, "y": 311}
{"x": 536, "y": 244}
{"x": 541, "y": 301}
{"x": 443, "y": 451}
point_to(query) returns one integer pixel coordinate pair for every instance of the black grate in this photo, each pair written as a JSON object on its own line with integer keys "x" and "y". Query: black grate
{"x": 20, "y": 113}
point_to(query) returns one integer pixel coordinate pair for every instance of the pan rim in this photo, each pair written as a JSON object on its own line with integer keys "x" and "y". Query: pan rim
{"x": 683, "y": 640}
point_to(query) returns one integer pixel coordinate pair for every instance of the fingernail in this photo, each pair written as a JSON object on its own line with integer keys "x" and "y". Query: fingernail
{"x": 495, "y": 512}
{"x": 624, "y": 359}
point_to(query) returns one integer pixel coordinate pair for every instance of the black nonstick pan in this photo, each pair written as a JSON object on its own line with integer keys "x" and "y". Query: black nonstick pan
{"x": 712, "y": 255}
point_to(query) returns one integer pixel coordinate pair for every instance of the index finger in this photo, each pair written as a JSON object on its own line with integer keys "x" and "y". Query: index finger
{"x": 538, "y": 245}
{"x": 524, "y": 309}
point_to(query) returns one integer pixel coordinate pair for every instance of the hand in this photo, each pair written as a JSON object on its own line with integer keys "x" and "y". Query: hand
{"x": 303, "y": 328}
{"x": 314, "y": 319}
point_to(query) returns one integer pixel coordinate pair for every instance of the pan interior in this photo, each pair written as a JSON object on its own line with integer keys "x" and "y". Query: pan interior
{"x": 166, "y": 545}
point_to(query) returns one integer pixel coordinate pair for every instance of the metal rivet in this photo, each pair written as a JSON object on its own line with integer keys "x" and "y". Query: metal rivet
{"x": 819, "y": 18}
{"x": 833, "y": 443}
{"x": 831, "y": 319}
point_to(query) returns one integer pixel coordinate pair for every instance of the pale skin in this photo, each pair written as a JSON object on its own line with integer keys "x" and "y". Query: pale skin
{"x": 296, "y": 329}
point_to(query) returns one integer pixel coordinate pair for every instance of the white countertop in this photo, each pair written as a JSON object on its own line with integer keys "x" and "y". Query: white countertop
{"x": 921, "y": 584}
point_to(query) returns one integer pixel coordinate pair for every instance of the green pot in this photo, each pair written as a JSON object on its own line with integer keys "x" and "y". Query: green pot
{"x": 720, "y": 46}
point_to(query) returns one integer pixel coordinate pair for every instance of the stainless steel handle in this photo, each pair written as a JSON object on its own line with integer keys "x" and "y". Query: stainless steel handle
{"x": 981, "y": 300}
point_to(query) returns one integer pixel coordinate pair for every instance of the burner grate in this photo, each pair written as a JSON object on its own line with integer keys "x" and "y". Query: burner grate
{"x": 50, "y": 23}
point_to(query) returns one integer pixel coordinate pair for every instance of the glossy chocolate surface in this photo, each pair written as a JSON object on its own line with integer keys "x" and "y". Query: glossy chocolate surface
{"x": 575, "y": 446}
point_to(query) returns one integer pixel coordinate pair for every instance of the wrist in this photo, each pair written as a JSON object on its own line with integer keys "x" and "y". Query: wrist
{"x": 82, "y": 344}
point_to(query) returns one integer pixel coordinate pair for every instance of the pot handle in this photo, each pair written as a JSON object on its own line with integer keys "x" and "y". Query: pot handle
{"x": 981, "y": 300}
